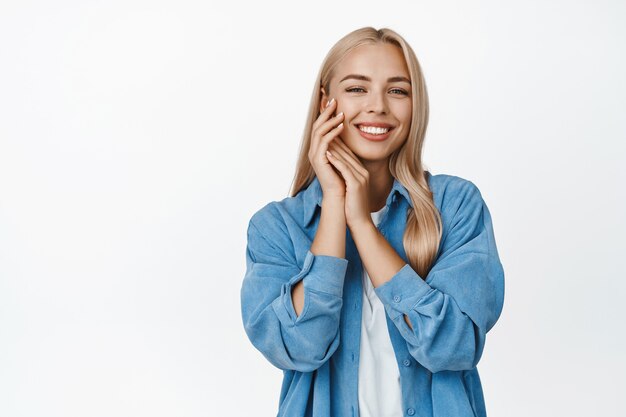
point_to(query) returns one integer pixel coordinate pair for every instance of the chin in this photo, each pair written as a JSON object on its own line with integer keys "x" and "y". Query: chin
{"x": 370, "y": 156}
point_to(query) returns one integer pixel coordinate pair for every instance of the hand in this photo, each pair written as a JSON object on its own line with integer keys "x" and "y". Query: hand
{"x": 356, "y": 178}
{"x": 324, "y": 130}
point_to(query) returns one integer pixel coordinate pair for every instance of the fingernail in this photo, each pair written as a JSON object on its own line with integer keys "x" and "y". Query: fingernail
{"x": 330, "y": 101}
{"x": 339, "y": 114}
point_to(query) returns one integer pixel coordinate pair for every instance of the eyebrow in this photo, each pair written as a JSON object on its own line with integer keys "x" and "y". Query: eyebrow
{"x": 366, "y": 78}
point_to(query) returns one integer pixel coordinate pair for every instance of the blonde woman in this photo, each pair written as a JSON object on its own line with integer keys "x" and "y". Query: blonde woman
{"x": 374, "y": 284}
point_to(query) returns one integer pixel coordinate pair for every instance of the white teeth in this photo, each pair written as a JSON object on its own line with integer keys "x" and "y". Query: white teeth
{"x": 374, "y": 130}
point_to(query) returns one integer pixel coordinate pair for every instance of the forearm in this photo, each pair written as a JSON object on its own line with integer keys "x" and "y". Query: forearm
{"x": 380, "y": 259}
{"x": 330, "y": 240}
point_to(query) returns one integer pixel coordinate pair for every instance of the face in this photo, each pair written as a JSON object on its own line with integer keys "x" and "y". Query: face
{"x": 372, "y": 88}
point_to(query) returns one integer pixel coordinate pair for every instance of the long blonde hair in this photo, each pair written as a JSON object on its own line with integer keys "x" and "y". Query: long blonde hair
{"x": 424, "y": 227}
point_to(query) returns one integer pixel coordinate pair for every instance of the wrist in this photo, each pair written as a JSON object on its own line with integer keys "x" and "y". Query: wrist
{"x": 334, "y": 203}
{"x": 363, "y": 227}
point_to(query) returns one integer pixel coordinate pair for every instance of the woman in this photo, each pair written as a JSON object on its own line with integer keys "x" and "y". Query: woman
{"x": 374, "y": 284}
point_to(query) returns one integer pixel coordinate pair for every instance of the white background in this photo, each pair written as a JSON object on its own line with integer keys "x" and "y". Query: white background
{"x": 138, "y": 137}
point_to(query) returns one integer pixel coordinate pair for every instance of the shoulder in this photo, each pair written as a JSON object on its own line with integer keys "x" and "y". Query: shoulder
{"x": 464, "y": 214}
{"x": 293, "y": 211}
{"x": 279, "y": 224}
{"x": 451, "y": 184}
{"x": 454, "y": 194}
{"x": 264, "y": 216}
{"x": 280, "y": 212}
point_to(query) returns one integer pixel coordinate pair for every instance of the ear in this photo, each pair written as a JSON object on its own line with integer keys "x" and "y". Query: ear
{"x": 323, "y": 100}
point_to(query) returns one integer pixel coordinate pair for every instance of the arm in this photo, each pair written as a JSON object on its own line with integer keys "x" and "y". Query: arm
{"x": 330, "y": 240}
{"x": 444, "y": 319}
{"x": 290, "y": 341}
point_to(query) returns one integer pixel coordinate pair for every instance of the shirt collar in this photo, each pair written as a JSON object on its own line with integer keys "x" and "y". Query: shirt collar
{"x": 313, "y": 196}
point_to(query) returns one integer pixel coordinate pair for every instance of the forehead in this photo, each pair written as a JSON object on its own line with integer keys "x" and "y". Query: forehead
{"x": 381, "y": 59}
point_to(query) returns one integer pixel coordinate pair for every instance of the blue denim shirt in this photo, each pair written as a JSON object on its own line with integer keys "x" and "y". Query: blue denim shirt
{"x": 451, "y": 309}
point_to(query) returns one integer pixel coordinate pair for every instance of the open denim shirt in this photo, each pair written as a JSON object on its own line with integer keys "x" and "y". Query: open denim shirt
{"x": 451, "y": 309}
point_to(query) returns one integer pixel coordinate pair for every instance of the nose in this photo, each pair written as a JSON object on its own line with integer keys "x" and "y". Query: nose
{"x": 377, "y": 103}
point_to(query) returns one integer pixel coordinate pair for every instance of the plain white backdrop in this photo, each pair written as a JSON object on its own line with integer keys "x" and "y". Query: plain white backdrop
{"x": 137, "y": 138}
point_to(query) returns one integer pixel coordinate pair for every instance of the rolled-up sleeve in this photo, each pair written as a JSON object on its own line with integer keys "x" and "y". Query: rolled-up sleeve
{"x": 291, "y": 342}
{"x": 461, "y": 298}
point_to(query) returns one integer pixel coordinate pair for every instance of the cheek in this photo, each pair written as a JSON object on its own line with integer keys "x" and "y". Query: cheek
{"x": 347, "y": 105}
{"x": 405, "y": 112}
{"x": 348, "y": 115}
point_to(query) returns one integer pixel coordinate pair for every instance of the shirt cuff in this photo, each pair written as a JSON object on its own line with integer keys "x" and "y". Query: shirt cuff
{"x": 323, "y": 273}
{"x": 403, "y": 291}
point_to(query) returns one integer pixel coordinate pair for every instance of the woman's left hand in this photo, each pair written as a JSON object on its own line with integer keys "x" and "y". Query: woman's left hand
{"x": 356, "y": 178}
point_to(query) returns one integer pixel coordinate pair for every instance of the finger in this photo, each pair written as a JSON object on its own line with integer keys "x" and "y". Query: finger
{"x": 346, "y": 158}
{"x": 330, "y": 136}
{"x": 318, "y": 150}
{"x": 325, "y": 127}
{"x": 358, "y": 164}
{"x": 343, "y": 167}
{"x": 324, "y": 134}
{"x": 338, "y": 147}
{"x": 336, "y": 163}
{"x": 325, "y": 114}
{"x": 345, "y": 147}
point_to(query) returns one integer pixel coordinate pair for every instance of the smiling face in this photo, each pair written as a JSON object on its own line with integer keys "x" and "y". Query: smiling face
{"x": 371, "y": 85}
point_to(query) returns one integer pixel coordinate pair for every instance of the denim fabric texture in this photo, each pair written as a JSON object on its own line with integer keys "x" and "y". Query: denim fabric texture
{"x": 451, "y": 309}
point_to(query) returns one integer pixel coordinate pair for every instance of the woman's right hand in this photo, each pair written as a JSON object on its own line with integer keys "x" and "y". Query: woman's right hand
{"x": 324, "y": 130}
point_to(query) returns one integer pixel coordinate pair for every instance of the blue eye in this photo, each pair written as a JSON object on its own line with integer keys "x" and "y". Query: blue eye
{"x": 360, "y": 89}
{"x": 401, "y": 91}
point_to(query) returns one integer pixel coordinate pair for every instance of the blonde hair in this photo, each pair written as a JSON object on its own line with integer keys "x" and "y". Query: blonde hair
{"x": 424, "y": 226}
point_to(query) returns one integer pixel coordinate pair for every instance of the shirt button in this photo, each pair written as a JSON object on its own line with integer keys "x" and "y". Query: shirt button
{"x": 407, "y": 362}
{"x": 396, "y": 298}
{"x": 410, "y": 411}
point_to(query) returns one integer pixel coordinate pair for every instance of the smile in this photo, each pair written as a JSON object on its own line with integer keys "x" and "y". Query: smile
{"x": 375, "y": 133}
{"x": 374, "y": 130}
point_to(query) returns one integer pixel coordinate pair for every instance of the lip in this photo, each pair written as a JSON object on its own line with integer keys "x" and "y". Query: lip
{"x": 374, "y": 124}
{"x": 374, "y": 138}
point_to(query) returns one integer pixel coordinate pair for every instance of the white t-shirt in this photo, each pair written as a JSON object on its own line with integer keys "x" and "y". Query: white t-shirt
{"x": 380, "y": 394}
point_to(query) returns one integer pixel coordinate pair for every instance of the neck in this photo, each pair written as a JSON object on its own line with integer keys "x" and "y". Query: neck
{"x": 380, "y": 184}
